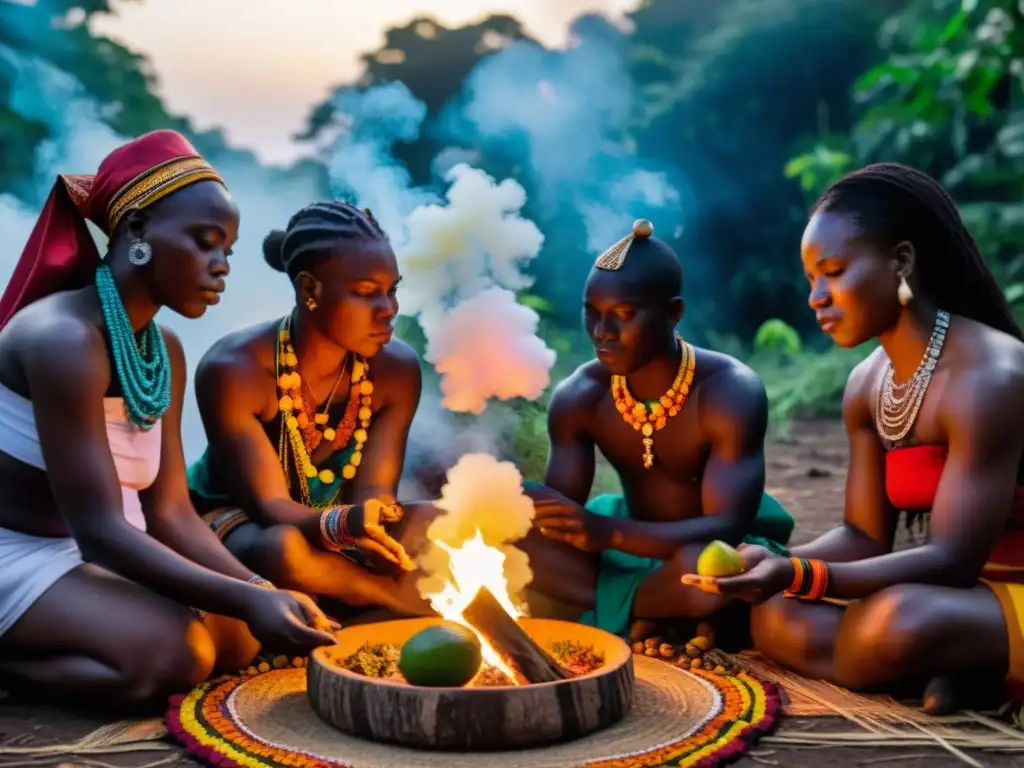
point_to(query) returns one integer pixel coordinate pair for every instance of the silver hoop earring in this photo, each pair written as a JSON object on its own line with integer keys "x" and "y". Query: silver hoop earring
{"x": 139, "y": 253}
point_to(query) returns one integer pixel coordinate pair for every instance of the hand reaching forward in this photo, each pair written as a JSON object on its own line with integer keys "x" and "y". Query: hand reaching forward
{"x": 288, "y": 622}
{"x": 764, "y": 575}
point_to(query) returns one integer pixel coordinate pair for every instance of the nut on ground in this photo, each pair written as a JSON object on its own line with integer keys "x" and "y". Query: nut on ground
{"x": 652, "y": 642}
{"x": 652, "y": 652}
{"x": 701, "y": 642}
{"x": 667, "y": 651}
{"x": 641, "y": 629}
{"x": 638, "y": 647}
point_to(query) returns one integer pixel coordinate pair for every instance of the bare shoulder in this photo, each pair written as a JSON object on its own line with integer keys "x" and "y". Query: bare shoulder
{"x": 727, "y": 388}
{"x": 581, "y": 392}
{"x": 242, "y": 359}
{"x": 396, "y": 374}
{"x": 55, "y": 341}
{"x": 397, "y": 358}
{"x": 987, "y": 380}
{"x": 175, "y": 349}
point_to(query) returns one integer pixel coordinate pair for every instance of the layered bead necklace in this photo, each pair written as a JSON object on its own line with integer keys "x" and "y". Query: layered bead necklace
{"x": 648, "y": 418}
{"x": 142, "y": 365}
{"x": 306, "y": 432}
{"x": 897, "y": 407}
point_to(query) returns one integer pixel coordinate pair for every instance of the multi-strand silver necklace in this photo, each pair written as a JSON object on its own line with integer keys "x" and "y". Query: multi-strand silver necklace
{"x": 897, "y": 406}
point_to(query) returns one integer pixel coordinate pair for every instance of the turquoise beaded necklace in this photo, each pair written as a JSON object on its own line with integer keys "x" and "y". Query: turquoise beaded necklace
{"x": 143, "y": 367}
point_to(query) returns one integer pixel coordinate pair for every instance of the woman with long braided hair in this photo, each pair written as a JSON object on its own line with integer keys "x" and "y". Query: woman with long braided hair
{"x": 307, "y": 418}
{"x": 936, "y": 428}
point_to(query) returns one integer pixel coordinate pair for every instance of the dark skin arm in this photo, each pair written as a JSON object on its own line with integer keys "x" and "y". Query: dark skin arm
{"x": 734, "y": 417}
{"x": 170, "y": 516}
{"x": 985, "y": 437}
{"x": 571, "y": 463}
{"x": 230, "y": 388}
{"x": 869, "y": 523}
{"x": 68, "y": 375}
{"x": 985, "y": 433}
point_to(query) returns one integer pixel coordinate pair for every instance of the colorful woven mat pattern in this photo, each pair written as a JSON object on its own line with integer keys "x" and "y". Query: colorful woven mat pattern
{"x": 209, "y": 723}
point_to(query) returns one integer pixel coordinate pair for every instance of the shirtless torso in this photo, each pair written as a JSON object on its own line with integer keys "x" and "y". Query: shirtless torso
{"x": 706, "y": 481}
{"x": 724, "y": 418}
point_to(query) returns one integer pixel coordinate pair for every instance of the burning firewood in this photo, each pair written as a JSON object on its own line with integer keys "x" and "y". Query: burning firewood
{"x": 517, "y": 649}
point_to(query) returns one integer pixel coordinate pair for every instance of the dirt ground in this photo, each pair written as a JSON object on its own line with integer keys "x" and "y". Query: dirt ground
{"x": 806, "y": 473}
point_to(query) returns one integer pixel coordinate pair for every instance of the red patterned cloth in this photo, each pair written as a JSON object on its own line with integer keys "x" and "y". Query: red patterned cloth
{"x": 60, "y": 253}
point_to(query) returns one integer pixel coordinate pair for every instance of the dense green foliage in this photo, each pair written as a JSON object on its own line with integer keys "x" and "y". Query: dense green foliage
{"x": 756, "y": 104}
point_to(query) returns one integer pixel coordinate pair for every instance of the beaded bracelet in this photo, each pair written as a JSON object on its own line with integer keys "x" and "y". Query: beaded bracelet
{"x": 334, "y": 532}
{"x": 259, "y": 581}
{"x": 810, "y": 579}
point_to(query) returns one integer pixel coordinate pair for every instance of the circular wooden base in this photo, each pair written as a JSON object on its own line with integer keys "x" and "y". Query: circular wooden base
{"x": 471, "y": 719}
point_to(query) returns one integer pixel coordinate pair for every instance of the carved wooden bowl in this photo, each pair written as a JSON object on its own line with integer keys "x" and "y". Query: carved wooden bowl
{"x": 471, "y": 719}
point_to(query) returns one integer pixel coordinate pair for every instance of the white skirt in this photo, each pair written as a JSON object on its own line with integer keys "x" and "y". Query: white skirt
{"x": 30, "y": 565}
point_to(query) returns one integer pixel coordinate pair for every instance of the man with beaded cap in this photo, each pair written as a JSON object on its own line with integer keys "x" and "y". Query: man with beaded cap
{"x": 684, "y": 429}
{"x": 307, "y": 418}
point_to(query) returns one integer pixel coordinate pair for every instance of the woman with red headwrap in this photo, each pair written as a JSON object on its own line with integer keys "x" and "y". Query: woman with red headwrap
{"x": 110, "y": 584}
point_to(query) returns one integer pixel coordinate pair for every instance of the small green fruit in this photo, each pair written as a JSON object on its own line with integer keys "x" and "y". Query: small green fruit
{"x": 719, "y": 559}
{"x": 445, "y": 656}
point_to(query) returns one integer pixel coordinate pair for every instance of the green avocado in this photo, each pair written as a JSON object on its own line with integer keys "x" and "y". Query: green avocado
{"x": 445, "y": 656}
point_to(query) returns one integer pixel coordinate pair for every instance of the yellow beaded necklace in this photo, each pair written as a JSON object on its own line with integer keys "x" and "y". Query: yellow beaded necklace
{"x": 294, "y": 418}
{"x": 645, "y": 421}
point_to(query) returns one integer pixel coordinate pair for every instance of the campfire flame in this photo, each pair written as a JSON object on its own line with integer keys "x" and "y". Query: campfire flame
{"x": 472, "y": 566}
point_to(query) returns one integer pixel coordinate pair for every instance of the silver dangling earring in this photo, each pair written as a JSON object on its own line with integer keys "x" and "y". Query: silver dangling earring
{"x": 903, "y": 293}
{"x": 139, "y": 253}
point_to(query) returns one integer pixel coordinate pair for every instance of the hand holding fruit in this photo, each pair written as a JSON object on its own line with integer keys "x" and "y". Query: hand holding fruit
{"x": 753, "y": 554}
{"x": 752, "y": 573}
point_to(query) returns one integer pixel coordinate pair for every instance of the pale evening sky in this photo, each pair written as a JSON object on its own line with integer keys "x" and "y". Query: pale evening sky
{"x": 254, "y": 67}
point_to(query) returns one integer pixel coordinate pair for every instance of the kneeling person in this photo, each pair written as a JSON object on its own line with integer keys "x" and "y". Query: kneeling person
{"x": 310, "y": 413}
{"x": 684, "y": 429}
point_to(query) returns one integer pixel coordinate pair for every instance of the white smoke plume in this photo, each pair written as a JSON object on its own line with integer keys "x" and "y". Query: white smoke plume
{"x": 487, "y": 346}
{"x": 452, "y": 252}
{"x": 461, "y": 262}
{"x": 486, "y": 495}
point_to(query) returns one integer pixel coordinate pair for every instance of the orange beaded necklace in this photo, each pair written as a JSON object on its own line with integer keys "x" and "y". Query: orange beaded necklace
{"x": 648, "y": 419}
{"x": 305, "y": 431}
